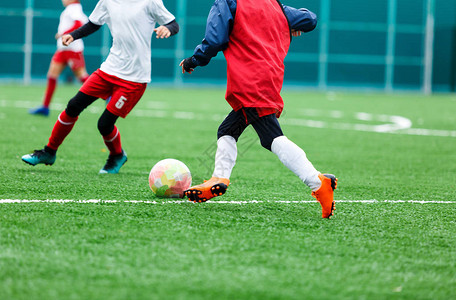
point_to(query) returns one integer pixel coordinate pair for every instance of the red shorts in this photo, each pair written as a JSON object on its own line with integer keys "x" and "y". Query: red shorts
{"x": 74, "y": 59}
{"x": 124, "y": 94}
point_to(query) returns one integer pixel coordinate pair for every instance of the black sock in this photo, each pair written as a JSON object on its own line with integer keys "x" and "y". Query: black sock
{"x": 49, "y": 150}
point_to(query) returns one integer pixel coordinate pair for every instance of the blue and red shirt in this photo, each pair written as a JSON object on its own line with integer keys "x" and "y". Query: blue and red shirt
{"x": 255, "y": 37}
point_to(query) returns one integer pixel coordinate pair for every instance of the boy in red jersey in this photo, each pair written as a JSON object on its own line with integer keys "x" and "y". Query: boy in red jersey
{"x": 122, "y": 77}
{"x": 255, "y": 36}
{"x": 71, "y": 19}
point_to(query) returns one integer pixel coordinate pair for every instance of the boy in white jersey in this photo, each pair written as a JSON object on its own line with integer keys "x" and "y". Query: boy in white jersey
{"x": 123, "y": 76}
{"x": 71, "y": 19}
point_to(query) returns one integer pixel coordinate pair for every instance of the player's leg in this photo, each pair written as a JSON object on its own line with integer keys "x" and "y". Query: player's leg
{"x": 95, "y": 87}
{"x": 295, "y": 159}
{"x": 111, "y": 137}
{"x": 78, "y": 67}
{"x": 81, "y": 74}
{"x": 228, "y": 134}
{"x": 60, "y": 131}
{"x": 124, "y": 98}
{"x": 56, "y": 67}
{"x": 225, "y": 159}
{"x": 292, "y": 156}
{"x": 68, "y": 118}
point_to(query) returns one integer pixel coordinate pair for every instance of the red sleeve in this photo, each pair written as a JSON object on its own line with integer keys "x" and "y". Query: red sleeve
{"x": 76, "y": 25}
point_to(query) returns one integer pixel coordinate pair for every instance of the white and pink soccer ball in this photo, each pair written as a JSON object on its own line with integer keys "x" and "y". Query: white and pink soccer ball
{"x": 169, "y": 178}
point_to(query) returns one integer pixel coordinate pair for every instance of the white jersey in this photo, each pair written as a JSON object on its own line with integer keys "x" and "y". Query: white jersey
{"x": 131, "y": 23}
{"x": 68, "y": 17}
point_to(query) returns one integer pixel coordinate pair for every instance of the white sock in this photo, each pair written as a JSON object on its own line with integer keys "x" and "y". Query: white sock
{"x": 225, "y": 157}
{"x": 295, "y": 159}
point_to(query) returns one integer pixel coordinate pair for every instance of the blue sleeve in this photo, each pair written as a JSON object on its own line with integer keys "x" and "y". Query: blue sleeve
{"x": 218, "y": 29}
{"x": 300, "y": 19}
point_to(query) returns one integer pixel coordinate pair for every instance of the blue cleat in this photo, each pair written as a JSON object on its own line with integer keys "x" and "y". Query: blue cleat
{"x": 114, "y": 163}
{"x": 39, "y": 157}
{"x": 41, "y": 110}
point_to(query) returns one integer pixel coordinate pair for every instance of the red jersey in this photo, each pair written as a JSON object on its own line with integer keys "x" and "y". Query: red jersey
{"x": 259, "y": 42}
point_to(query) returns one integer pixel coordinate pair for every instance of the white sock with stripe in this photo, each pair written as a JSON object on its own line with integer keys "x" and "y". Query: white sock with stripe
{"x": 295, "y": 159}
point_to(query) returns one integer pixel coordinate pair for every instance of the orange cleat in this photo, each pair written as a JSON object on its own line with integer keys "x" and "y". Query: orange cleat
{"x": 325, "y": 194}
{"x": 209, "y": 189}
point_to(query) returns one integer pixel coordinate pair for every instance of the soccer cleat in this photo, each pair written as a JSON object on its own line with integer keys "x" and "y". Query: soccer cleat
{"x": 39, "y": 157}
{"x": 41, "y": 110}
{"x": 325, "y": 194}
{"x": 209, "y": 189}
{"x": 114, "y": 163}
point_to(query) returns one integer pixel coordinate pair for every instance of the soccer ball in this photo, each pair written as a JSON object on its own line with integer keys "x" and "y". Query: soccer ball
{"x": 169, "y": 178}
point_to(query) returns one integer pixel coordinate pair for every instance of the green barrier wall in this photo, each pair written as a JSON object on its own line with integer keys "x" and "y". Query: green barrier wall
{"x": 358, "y": 44}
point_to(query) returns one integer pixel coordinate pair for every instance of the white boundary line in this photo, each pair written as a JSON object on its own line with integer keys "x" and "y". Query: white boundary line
{"x": 95, "y": 201}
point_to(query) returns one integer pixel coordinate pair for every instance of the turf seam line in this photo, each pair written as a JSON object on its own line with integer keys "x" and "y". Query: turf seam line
{"x": 95, "y": 201}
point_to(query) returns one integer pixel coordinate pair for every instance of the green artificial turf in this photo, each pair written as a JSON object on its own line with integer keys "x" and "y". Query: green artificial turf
{"x": 266, "y": 250}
